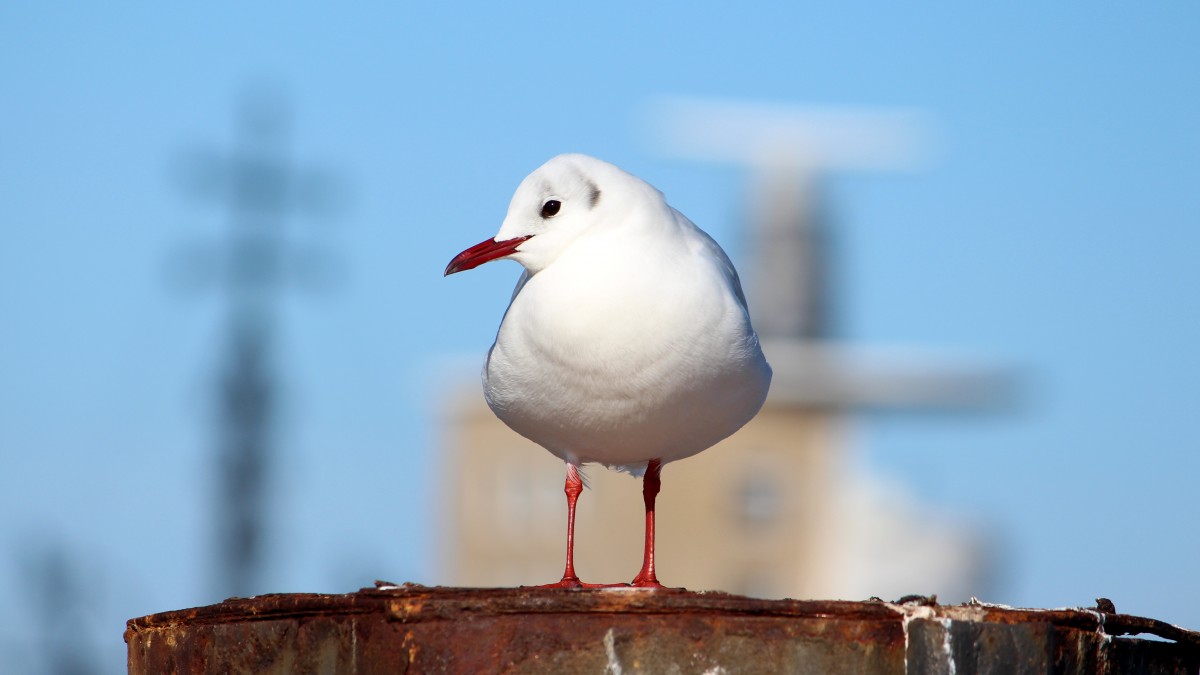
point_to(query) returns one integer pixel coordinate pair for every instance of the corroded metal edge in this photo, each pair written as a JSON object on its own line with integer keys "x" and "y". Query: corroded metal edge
{"x": 412, "y": 603}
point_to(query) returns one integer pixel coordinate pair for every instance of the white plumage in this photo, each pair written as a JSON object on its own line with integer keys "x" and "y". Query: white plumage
{"x": 627, "y": 340}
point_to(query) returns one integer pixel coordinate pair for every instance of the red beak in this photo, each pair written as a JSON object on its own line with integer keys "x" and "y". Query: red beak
{"x": 485, "y": 251}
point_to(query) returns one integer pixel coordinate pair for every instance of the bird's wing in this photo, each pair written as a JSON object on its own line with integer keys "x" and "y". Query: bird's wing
{"x": 520, "y": 284}
{"x": 708, "y": 246}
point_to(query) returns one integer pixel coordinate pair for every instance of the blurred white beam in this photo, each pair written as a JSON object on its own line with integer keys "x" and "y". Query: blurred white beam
{"x": 814, "y": 138}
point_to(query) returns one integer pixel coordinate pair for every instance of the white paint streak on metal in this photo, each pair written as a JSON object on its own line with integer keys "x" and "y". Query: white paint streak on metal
{"x": 907, "y": 614}
{"x": 610, "y": 650}
{"x": 947, "y": 646}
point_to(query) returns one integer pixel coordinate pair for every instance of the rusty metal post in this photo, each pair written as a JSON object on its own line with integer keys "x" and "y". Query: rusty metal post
{"x": 460, "y": 630}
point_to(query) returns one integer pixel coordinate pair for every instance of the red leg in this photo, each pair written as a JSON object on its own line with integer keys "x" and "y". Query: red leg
{"x": 573, "y": 488}
{"x": 650, "y": 487}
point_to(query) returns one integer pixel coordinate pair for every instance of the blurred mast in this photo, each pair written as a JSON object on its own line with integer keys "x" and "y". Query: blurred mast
{"x": 247, "y": 385}
{"x": 260, "y": 191}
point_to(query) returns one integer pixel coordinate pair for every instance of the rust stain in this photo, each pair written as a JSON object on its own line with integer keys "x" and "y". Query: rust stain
{"x": 402, "y": 609}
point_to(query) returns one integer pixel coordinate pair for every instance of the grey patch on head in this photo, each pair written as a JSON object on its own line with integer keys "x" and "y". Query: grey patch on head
{"x": 593, "y": 195}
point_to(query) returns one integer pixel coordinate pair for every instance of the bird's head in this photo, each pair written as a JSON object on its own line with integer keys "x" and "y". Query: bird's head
{"x": 552, "y": 207}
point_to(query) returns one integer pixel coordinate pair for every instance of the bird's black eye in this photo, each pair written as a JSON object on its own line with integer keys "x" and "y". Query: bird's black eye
{"x": 550, "y": 208}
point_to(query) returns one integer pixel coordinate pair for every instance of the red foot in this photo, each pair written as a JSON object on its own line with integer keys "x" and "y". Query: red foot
{"x": 646, "y": 581}
{"x": 574, "y": 582}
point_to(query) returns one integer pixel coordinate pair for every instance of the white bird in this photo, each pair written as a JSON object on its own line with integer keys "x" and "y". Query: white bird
{"x": 627, "y": 341}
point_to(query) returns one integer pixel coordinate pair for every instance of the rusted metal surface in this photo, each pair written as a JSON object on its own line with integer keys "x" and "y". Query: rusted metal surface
{"x": 469, "y": 630}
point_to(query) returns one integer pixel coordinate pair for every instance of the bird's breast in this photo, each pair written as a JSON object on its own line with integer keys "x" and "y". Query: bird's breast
{"x": 614, "y": 338}
{"x": 639, "y": 360}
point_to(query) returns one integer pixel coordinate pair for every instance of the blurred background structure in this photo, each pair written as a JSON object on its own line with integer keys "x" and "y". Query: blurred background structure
{"x": 260, "y": 190}
{"x": 1052, "y": 228}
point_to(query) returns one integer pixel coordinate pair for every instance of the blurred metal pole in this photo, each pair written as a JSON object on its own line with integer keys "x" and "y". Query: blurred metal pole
{"x": 63, "y": 585}
{"x": 260, "y": 191}
{"x": 257, "y": 203}
{"x": 790, "y": 242}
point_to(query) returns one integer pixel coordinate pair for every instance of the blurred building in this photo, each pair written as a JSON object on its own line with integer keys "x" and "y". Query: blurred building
{"x": 778, "y": 509}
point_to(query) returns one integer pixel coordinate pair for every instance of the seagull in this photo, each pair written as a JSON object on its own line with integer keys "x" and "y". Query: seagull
{"x": 627, "y": 341}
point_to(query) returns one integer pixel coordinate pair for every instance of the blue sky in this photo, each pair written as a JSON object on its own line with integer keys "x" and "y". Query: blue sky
{"x": 1055, "y": 232}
